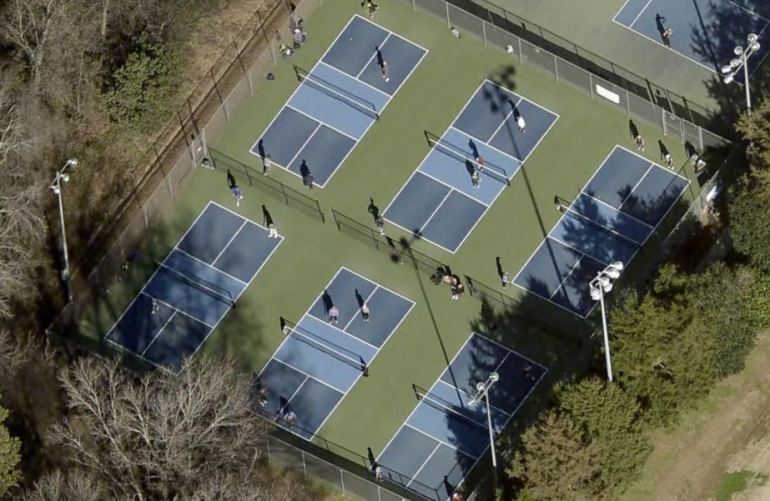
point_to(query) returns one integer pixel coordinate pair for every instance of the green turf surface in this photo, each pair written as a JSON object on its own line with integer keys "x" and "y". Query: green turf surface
{"x": 312, "y": 252}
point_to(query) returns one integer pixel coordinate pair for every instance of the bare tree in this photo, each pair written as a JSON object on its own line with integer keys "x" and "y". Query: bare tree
{"x": 161, "y": 436}
{"x": 76, "y": 485}
{"x": 21, "y": 227}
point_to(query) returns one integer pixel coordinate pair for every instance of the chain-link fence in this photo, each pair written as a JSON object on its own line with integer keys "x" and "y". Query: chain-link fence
{"x": 673, "y": 115}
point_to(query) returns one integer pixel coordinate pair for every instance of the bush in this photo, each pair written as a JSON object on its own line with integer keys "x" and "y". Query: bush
{"x": 142, "y": 91}
{"x": 9, "y": 456}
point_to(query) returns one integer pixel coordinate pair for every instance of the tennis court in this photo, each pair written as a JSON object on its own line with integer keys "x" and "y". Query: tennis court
{"x": 610, "y": 220}
{"x": 338, "y": 101}
{"x": 320, "y": 360}
{"x": 444, "y": 436}
{"x": 439, "y": 202}
{"x": 194, "y": 287}
{"x": 694, "y": 24}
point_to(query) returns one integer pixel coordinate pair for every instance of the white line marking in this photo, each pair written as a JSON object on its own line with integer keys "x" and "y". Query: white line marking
{"x": 459, "y": 390}
{"x": 307, "y": 376}
{"x": 574, "y": 267}
{"x": 435, "y": 211}
{"x": 440, "y": 442}
{"x": 355, "y": 315}
{"x": 417, "y": 473}
{"x": 214, "y": 263}
{"x": 614, "y": 232}
{"x": 207, "y": 264}
{"x": 494, "y": 148}
{"x": 173, "y": 314}
{"x": 382, "y": 44}
{"x": 291, "y": 107}
{"x": 302, "y": 147}
{"x": 640, "y": 14}
{"x": 613, "y": 208}
{"x": 356, "y": 79}
{"x": 288, "y": 401}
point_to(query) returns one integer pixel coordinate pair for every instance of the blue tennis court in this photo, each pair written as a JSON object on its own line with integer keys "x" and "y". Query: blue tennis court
{"x": 320, "y": 360}
{"x": 194, "y": 287}
{"x": 610, "y": 220}
{"x": 439, "y": 202}
{"x": 444, "y": 436}
{"x": 338, "y": 101}
{"x": 694, "y": 25}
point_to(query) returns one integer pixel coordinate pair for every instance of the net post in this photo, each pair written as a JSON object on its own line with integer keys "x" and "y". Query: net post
{"x": 336, "y": 220}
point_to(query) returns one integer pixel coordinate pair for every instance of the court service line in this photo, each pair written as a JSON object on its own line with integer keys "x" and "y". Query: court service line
{"x": 382, "y": 44}
{"x": 613, "y": 208}
{"x": 292, "y": 107}
{"x": 460, "y": 390}
{"x": 181, "y": 312}
{"x": 574, "y": 267}
{"x": 631, "y": 193}
{"x": 302, "y": 147}
{"x": 440, "y": 442}
{"x": 510, "y": 350}
{"x": 377, "y": 284}
{"x": 505, "y": 120}
{"x": 604, "y": 227}
{"x": 354, "y": 78}
{"x": 326, "y": 322}
{"x": 207, "y": 264}
{"x": 435, "y": 210}
{"x": 391, "y": 32}
{"x": 474, "y": 138}
{"x": 288, "y": 402}
{"x": 621, "y": 9}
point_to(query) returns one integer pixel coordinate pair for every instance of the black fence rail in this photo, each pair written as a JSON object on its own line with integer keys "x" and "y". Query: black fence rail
{"x": 268, "y": 185}
{"x": 400, "y": 251}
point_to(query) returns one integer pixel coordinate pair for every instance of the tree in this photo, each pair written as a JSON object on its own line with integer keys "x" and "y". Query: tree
{"x": 749, "y": 216}
{"x": 612, "y": 420}
{"x": 755, "y": 127}
{"x": 662, "y": 354}
{"x": 142, "y": 89}
{"x": 9, "y": 456}
{"x": 557, "y": 462}
{"x": 161, "y": 436}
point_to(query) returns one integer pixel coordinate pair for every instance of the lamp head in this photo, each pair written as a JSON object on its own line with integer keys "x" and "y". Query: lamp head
{"x": 480, "y": 386}
{"x": 72, "y": 163}
{"x": 754, "y": 46}
{"x": 738, "y": 50}
{"x": 494, "y": 377}
{"x": 55, "y": 189}
{"x": 596, "y": 293}
{"x": 753, "y": 38}
{"x": 613, "y": 273}
{"x": 64, "y": 178}
{"x": 617, "y": 265}
{"x": 727, "y": 69}
{"x": 729, "y": 79}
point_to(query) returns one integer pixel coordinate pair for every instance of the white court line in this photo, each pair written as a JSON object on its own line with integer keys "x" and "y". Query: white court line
{"x": 417, "y": 473}
{"x": 375, "y": 354}
{"x": 631, "y": 193}
{"x": 355, "y": 315}
{"x": 462, "y": 347}
{"x": 621, "y": 9}
{"x": 307, "y": 376}
{"x": 181, "y": 312}
{"x": 440, "y": 442}
{"x": 213, "y": 263}
{"x": 494, "y": 148}
{"x": 288, "y": 401}
{"x": 427, "y": 221}
{"x": 565, "y": 244}
{"x": 631, "y": 26}
{"x": 324, "y": 124}
{"x": 747, "y": 10}
{"x": 614, "y": 232}
{"x": 360, "y": 81}
{"x": 207, "y": 264}
{"x": 368, "y": 61}
{"x": 391, "y": 32}
{"x": 158, "y": 334}
{"x": 513, "y": 352}
{"x": 613, "y": 208}
{"x": 660, "y": 44}
{"x": 302, "y": 147}
{"x": 377, "y": 284}
{"x": 505, "y": 119}
{"x": 577, "y": 263}
{"x": 469, "y": 395}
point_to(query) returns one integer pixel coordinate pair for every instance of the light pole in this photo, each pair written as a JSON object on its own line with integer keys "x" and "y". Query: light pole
{"x": 483, "y": 392}
{"x": 601, "y": 285}
{"x": 63, "y": 177}
{"x": 742, "y": 62}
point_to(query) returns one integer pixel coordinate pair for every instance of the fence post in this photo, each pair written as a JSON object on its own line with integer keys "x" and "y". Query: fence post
{"x": 484, "y": 31}
{"x": 521, "y": 54}
{"x": 304, "y": 466}
{"x": 591, "y": 84}
{"x": 628, "y": 104}
{"x": 448, "y": 23}
{"x": 414, "y": 6}
{"x": 342, "y": 481}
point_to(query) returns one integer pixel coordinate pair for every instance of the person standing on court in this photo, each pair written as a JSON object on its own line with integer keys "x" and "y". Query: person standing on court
{"x": 639, "y": 142}
{"x": 475, "y": 178}
{"x": 237, "y": 195}
{"x": 267, "y": 162}
{"x": 371, "y": 8}
{"x": 334, "y": 315}
{"x": 521, "y": 124}
{"x": 384, "y": 68}
{"x": 365, "y": 312}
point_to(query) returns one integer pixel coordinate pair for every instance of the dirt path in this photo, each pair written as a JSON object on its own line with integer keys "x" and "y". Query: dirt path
{"x": 729, "y": 432}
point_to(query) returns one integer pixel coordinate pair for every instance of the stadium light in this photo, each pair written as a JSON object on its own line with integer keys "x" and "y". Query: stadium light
{"x": 600, "y": 286}
{"x": 482, "y": 390}
{"x": 61, "y": 178}
{"x": 742, "y": 62}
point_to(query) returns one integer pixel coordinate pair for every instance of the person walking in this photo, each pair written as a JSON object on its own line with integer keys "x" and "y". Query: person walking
{"x": 237, "y": 195}
{"x": 267, "y": 163}
{"x": 384, "y": 68}
{"x": 521, "y": 124}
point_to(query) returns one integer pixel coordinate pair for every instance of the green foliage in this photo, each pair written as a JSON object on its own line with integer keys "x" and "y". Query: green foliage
{"x": 142, "y": 92}
{"x": 557, "y": 462}
{"x": 735, "y": 482}
{"x": 760, "y": 300}
{"x": 9, "y": 456}
{"x": 749, "y": 216}
{"x": 612, "y": 419}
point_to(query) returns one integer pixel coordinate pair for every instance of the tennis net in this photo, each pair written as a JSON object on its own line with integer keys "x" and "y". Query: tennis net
{"x": 204, "y": 286}
{"x": 340, "y": 353}
{"x": 346, "y": 97}
{"x": 488, "y": 169}
{"x": 448, "y": 408}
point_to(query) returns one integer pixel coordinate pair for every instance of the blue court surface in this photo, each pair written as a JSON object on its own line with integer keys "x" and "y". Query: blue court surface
{"x": 338, "y": 101}
{"x": 194, "y": 287}
{"x": 612, "y": 218}
{"x": 444, "y": 436}
{"x": 698, "y": 28}
{"x": 320, "y": 361}
{"x": 439, "y": 202}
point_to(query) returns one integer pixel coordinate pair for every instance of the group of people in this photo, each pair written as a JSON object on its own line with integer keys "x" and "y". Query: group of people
{"x": 334, "y": 313}
{"x": 298, "y": 40}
